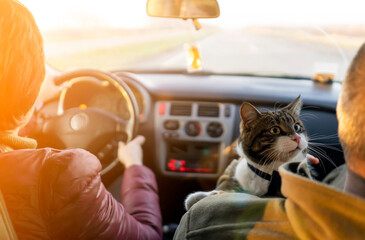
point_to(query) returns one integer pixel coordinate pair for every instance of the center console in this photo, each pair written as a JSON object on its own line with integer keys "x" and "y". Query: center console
{"x": 191, "y": 137}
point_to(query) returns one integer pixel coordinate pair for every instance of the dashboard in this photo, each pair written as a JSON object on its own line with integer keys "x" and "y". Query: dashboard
{"x": 194, "y": 118}
{"x": 198, "y": 115}
{"x": 190, "y": 120}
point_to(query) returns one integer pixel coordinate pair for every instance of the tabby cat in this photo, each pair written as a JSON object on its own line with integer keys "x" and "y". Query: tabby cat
{"x": 267, "y": 140}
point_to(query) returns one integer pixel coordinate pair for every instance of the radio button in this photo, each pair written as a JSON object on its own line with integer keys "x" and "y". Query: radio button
{"x": 192, "y": 129}
{"x": 215, "y": 129}
{"x": 171, "y": 124}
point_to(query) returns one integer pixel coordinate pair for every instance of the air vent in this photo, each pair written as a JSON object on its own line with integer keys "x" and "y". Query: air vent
{"x": 178, "y": 109}
{"x": 208, "y": 111}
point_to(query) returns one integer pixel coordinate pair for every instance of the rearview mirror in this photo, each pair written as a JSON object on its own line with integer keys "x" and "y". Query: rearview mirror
{"x": 186, "y": 9}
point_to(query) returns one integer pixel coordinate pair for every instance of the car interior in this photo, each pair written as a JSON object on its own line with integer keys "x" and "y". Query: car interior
{"x": 189, "y": 113}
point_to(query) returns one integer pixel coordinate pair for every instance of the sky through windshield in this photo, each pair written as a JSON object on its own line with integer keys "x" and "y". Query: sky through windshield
{"x": 281, "y": 37}
{"x": 131, "y": 14}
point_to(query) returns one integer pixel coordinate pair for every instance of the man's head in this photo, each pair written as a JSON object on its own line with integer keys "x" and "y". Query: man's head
{"x": 351, "y": 114}
{"x": 21, "y": 64}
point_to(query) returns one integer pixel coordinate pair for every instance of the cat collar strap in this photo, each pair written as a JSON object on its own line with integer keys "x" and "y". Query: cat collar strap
{"x": 259, "y": 173}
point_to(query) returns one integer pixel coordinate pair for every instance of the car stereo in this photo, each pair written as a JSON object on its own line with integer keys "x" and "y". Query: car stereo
{"x": 190, "y": 137}
{"x": 193, "y": 157}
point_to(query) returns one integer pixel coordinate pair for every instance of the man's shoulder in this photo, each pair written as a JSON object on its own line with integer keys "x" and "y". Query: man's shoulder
{"x": 226, "y": 206}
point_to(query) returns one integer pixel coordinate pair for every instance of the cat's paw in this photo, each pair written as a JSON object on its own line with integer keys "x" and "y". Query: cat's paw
{"x": 193, "y": 198}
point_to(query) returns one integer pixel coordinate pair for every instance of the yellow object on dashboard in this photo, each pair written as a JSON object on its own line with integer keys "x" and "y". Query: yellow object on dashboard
{"x": 193, "y": 58}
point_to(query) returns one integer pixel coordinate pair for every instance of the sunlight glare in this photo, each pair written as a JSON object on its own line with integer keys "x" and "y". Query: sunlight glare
{"x": 129, "y": 14}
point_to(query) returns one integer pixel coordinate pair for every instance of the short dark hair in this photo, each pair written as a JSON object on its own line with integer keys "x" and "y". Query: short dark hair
{"x": 22, "y": 66}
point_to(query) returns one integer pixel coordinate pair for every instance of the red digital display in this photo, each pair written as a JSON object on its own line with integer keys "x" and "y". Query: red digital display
{"x": 192, "y": 157}
{"x": 175, "y": 165}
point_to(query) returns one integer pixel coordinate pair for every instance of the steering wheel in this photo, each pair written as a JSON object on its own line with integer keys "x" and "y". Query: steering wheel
{"x": 93, "y": 129}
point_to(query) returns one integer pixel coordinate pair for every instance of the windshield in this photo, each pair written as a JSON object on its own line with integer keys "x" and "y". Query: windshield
{"x": 273, "y": 38}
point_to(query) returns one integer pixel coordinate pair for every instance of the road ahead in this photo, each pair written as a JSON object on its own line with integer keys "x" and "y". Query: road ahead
{"x": 245, "y": 52}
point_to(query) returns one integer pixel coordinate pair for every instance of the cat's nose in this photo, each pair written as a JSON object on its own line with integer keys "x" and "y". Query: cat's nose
{"x": 296, "y": 139}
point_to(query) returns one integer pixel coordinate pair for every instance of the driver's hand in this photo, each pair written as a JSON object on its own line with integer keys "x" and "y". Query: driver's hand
{"x": 131, "y": 153}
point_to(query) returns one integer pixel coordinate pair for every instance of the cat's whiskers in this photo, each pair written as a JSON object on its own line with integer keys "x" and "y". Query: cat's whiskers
{"x": 265, "y": 156}
{"x": 320, "y": 160}
{"x": 274, "y": 155}
{"x": 323, "y": 154}
{"x": 308, "y": 116}
{"x": 310, "y": 107}
{"x": 323, "y": 145}
{"x": 315, "y": 154}
{"x": 268, "y": 157}
{"x": 265, "y": 109}
{"x": 276, "y": 107}
{"x": 319, "y": 153}
{"x": 265, "y": 164}
{"x": 272, "y": 168}
{"x": 317, "y": 148}
{"x": 323, "y": 137}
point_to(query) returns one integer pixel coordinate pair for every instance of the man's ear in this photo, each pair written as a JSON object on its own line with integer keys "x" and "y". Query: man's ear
{"x": 295, "y": 106}
{"x": 249, "y": 113}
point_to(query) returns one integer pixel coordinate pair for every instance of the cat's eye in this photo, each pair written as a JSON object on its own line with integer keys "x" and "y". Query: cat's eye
{"x": 297, "y": 127}
{"x": 275, "y": 130}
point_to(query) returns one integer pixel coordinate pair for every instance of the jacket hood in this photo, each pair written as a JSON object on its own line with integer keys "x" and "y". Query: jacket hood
{"x": 330, "y": 213}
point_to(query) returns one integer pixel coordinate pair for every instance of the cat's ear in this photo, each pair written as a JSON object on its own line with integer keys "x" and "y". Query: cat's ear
{"x": 249, "y": 113}
{"x": 295, "y": 106}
